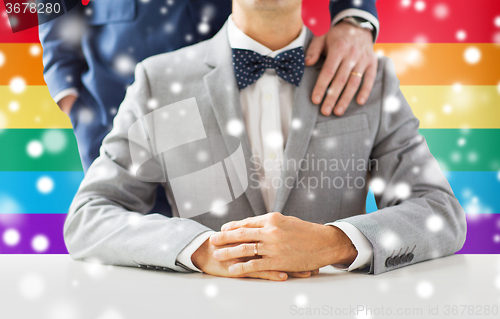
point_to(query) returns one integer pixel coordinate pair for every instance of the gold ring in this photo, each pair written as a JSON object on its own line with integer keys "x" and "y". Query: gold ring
{"x": 357, "y": 73}
{"x": 255, "y": 252}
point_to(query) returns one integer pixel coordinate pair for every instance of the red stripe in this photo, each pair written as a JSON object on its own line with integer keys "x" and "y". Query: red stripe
{"x": 401, "y": 24}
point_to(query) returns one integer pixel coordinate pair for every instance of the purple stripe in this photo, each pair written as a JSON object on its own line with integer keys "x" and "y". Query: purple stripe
{"x": 483, "y": 233}
{"x": 29, "y": 226}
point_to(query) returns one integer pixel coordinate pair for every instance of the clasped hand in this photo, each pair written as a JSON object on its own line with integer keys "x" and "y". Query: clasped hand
{"x": 287, "y": 246}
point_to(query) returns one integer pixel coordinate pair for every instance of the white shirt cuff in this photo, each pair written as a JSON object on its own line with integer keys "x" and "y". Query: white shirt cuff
{"x": 363, "y": 246}
{"x": 184, "y": 256}
{"x": 360, "y": 14}
{"x": 64, "y": 93}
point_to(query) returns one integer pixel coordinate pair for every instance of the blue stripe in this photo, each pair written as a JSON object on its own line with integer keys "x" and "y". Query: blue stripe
{"x": 476, "y": 191}
{"x": 19, "y": 193}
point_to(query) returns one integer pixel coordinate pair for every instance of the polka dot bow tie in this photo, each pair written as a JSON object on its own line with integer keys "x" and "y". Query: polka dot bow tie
{"x": 249, "y": 66}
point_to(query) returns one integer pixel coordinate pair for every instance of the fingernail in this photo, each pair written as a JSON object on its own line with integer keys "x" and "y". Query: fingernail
{"x": 308, "y": 57}
{"x": 232, "y": 269}
{"x": 223, "y": 228}
{"x": 340, "y": 110}
{"x": 317, "y": 98}
{"x": 213, "y": 238}
{"x": 305, "y": 272}
{"x": 282, "y": 275}
{"x": 361, "y": 100}
{"x": 216, "y": 254}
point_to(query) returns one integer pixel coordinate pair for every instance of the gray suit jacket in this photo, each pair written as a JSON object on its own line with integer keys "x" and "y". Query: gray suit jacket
{"x": 419, "y": 218}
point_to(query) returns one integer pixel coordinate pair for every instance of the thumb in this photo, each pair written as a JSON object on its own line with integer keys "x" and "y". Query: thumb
{"x": 315, "y": 49}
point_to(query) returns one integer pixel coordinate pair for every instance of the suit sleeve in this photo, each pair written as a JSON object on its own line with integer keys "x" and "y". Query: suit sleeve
{"x": 108, "y": 220}
{"x": 365, "y": 9}
{"x": 419, "y": 218}
{"x": 63, "y": 61}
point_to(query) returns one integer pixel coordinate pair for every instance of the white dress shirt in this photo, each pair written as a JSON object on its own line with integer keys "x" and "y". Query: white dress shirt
{"x": 267, "y": 111}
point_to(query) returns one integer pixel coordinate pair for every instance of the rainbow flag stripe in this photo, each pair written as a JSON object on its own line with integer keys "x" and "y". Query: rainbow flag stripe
{"x": 446, "y": 57}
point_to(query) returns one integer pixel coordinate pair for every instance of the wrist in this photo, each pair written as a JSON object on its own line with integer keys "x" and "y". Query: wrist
{"x": 199, "y": 257}
{"x": 360, "y": 24}
{"x": 342, "y": 249}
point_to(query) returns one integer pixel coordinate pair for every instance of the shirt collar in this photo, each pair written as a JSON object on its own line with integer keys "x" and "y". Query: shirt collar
{"x": 239, "y": 40}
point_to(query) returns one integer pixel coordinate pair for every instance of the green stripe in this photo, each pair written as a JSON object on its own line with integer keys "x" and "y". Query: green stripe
{"x": 14, "y": 154}
{"x": 481, "y": 151}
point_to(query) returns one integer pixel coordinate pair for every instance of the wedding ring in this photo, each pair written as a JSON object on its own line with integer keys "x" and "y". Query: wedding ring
{"x": 357, "y": 73}
{"x": 255, "y": 252}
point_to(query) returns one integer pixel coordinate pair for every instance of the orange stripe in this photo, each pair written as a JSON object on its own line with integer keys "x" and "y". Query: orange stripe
{"x": 20, "y": 62}
{"x": 443, "y": 63}
{"x": 416, "y": 64}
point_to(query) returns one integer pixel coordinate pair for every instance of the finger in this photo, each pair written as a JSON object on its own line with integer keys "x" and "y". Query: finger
{"x": 250, "y": 222}
{"x": 337, "y": 86}
{"x": 268, "y": 274}
{"x": 315, "y": 49}
{"x": 240, "y": 235}
{"x": 251, "y": 266}
{"x": 300, "y": 274}
{"x": 243, "y": 250}
{"x": 326, "y": 75}
{"x": 315, "y": 272}
{"x": 350, "y": 90}
{"x": 368, "y": 81}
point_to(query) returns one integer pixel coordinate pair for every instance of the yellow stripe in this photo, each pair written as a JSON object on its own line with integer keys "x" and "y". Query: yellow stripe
{"x": 455, "y": 106}
{"x": 435, "y": 106}
{"x": 33, "y": 108}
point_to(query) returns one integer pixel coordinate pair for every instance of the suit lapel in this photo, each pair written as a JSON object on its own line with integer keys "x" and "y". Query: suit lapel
{"x": 224, "y": 98}
{"x": 298, "y": 138}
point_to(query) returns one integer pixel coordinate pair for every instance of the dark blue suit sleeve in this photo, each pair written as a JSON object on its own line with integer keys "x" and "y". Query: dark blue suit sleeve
{"x": 365, "y": 9}
{"x": 63, "y": 61}
{"x": 336, "y": 6}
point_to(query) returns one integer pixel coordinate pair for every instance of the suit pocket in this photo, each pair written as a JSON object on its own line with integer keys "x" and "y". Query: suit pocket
{"x": 340, "y": 126}
{"x": 110, "y": 11}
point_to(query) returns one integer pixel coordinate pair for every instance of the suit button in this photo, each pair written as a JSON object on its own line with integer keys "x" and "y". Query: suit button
{"x": 389, "y": 262}
{"x": 410, "y": 257}
{"x": 397, "y": 260}
{"x": 403, "y": 259}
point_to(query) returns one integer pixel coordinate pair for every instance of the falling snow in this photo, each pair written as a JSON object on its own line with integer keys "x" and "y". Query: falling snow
{"x": 40, "y": 243}
{"x": 235, "y": 127}
{"x": 11, "y": 237}
{"x": 472, "y": 55}
{"x": 425, "y": 289}
{"x": 34, "y": 149}
{"x": 420, "y": 6}
{"x": 45, "y": 185}
{"x": 17, "y": 85}
{"x": 441, "y": 11}
{"x": 32, "y": 286}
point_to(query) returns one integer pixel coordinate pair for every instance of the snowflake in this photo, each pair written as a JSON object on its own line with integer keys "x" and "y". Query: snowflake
{"x": 420, "y": 6}
{"x": 34, "y": 149}
{"x": 435, "y": 223}
{"x": 424, "y": 289}
{"x": 472, "y": 55}
{"x": 235, "y": 127}
{"x": 31, "y": 286}
{"x": 17, "y": 85}
{"x": 461, "y": 35}
{"x": 45, "y": 184}
{"x": 40, "y": 243}
{"x": 11, "y": 237}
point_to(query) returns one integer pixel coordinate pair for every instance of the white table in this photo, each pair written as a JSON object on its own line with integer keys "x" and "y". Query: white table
{"x": 57, "y": 287}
